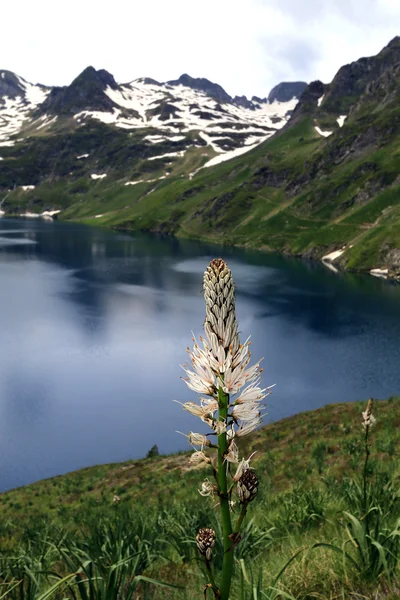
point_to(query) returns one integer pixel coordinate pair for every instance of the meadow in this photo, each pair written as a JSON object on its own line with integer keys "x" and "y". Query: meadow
{"x": 128, "y": 530}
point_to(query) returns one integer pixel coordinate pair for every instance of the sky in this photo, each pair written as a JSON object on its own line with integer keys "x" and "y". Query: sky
{"x": 247, "y": 46}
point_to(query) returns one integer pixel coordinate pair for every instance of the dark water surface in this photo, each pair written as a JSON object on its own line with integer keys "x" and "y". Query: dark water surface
{"x": 94, "y": 325}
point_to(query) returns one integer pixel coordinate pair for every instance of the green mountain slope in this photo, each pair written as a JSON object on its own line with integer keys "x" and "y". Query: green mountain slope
{"x": 329, "y": 180}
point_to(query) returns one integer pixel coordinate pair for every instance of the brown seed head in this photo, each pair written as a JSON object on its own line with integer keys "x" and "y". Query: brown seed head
{"x": 205, "y": 541}
{"x": 247, "y": 487}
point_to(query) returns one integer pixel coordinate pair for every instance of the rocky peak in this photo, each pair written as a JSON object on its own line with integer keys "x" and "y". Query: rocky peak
{"x": 308, "y": 101}
{"x": 259, "y": 100}
{"x": 86, "y": 92}
{"x": 204, "y": 85}
{"x": 243, "y": 101}
{"x": 352, "y": 80}
{"x": 146, "y": 81}
{"x": 10, "y": 85}
{"x": 285, "y": 91}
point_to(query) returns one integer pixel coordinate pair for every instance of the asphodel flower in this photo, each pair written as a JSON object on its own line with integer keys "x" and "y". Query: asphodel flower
{"x": 221, "y": 364}
{"x": 249, "y": 427}
{"x": 199, "y": 457}
{"x": 207, "y": 488}
{"x": 233, "y": 453}
{"x": 197, "y": 439}
{"x": 220, "y": 368}
{"x": 243, "y": 466}
{"x": 368, "y": 418}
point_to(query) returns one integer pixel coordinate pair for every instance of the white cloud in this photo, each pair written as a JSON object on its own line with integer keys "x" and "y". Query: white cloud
{"x": 246, "y": 47}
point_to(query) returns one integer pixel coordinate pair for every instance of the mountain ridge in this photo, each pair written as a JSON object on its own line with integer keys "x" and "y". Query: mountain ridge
{"x": 316, "y": 176}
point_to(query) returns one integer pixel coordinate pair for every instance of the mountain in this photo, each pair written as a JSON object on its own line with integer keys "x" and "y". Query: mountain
{"x": 86, "y": 92}
{"x": 193, "y": 111}
{"x": 316, "y": 175}
{"x": 142, "y": 131}
{"x": 286, "y": 90}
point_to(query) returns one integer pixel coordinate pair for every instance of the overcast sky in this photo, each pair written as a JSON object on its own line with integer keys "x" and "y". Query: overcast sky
{"x": 247, "y": 46}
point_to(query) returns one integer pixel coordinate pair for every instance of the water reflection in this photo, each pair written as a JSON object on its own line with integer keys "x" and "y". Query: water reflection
{"x": 94, "y": 325}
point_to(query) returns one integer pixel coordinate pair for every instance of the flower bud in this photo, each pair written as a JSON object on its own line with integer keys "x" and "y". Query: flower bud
{"x": 368, "y": 418}
{"x": 205, "y": 541}
{"x": 247, "y": 486}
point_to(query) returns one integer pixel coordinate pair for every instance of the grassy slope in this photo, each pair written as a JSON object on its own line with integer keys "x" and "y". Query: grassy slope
{"x": 243, "y": 201}
{"x": 306, "y": 464}
{"x": 289, "y": 452}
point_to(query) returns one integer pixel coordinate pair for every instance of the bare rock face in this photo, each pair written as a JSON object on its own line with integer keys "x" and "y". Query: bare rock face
{"x": 86, "y": 92}
{"x": 364, "y": 76}
{"x": 204, "y": 85}
{"x": 285, "y": 91}
{"x": 10, "y": 85}
{"x": 243, "y": 101}
{"x": 393, "y": 259}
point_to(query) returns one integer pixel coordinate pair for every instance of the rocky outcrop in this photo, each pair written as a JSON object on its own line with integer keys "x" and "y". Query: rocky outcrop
{"x": 285, "y": 91}
{"x": 86, "y": 92}
{"x": 204, "y": 85}
{"x": 352, "y": 80}
{"x": 10, "y": 85}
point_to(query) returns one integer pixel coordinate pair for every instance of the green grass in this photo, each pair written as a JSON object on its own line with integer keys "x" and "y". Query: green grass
{"x": 309, "y": 466}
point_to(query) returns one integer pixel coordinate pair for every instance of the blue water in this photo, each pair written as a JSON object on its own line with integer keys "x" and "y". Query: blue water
{"x": 94, "y": 325}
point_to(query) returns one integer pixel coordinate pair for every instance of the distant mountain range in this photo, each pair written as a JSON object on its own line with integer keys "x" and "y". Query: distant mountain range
{"x": 310, "y": 169}
{"x": 181, "y": 106}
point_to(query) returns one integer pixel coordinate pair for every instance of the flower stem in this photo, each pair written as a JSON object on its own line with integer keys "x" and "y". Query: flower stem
{"x": 365, "y": 477}
{"x": 214, "y": 586}
{"x": 227, "y": 565}
{"x": 240, "y": 519}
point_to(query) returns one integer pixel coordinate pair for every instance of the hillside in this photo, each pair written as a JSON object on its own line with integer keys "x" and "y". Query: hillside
{"x": 309, "y": 466}
{"x": 315, "y": 177}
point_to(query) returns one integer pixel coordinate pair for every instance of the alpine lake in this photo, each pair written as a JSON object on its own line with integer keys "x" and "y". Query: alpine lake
{"x": 94, "y": 326}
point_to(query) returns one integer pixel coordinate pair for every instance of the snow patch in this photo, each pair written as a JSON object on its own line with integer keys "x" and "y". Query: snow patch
{"x": 383, "y": 273}
{"x": 98, "y": 216}
{"x": 145, "y": 180}
{"x": 340, "y": 120}
{"x": 94, "y": 176}
{"x": 333, "y": 255}
{"x": 50, "y": 213}
{"x": 320, "y": 100}
{"x": 27, "y": 187}
{"x": 180, "y": 153}
{"x": 30, "y": 215}
{"x": 82, "y": 156}
{"x": 323, "y": 133}
{"x": 228, "y": 155}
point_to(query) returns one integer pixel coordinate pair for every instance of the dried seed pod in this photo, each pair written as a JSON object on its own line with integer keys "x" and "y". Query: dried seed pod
{"x": 247, "y": 486}
{"x": 205, "y": 541}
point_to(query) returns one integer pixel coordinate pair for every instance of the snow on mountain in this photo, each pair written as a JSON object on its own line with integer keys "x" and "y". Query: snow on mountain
{"x": 18, "y": 98}
{"x": 183, "y": 109}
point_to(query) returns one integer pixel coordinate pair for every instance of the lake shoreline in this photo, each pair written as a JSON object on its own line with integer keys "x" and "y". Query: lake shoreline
{"x": 313, "y": 254}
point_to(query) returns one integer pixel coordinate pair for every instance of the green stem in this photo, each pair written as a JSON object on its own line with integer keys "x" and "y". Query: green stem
{"x": 227, "y": 565}
{"x": 365, "y": 503}
{"x": 241, "y": 518}
{"x": 212, "y": 580}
